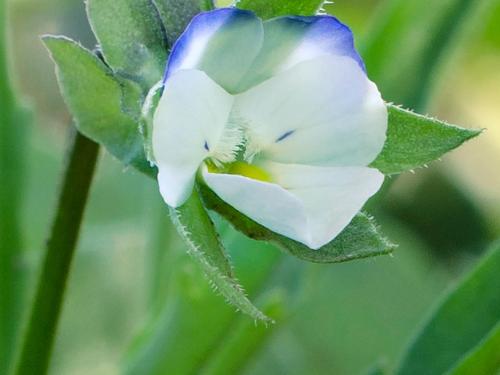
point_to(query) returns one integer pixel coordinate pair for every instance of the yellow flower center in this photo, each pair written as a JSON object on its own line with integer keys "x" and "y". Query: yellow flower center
{"x": 243, "y": 169}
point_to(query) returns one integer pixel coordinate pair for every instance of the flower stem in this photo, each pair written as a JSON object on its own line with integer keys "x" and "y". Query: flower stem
{"x": 46, "y": 308}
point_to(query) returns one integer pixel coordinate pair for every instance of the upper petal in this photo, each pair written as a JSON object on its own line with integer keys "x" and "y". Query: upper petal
{"x": 293, "y": 39}
{"x": 188, "y": 122}
{"x": 323, "y": 111}
{"x": 311, "y": 205}
{"x": 223, "y": 43}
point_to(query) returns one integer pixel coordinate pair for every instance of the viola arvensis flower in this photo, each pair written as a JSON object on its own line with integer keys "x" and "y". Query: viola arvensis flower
{"x": 278, "y": 118}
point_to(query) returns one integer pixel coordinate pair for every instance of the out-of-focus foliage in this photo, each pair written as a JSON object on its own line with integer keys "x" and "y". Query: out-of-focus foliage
{"x": 443, "y": 215}
{"x": 14, "y": 120}
{"x": 483, "y": 359}
{"x": 346, "y": 317}
{"x": 468, "y": 315}
{"x": 421, "y": 35}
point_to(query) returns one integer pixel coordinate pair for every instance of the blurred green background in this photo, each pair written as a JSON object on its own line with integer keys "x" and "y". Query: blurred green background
{"x": 343, "y": 318}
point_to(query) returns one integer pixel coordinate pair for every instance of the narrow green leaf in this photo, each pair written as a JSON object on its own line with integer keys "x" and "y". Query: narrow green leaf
{"x": 245, "y": 339}
{"x": 176, "y": 14}
{"x": 414, "y": 140}
{"x": 410, "y": 40}
{"x": 204, "y": 245}
{"x": 131, "y": 37}
{"x": 274, "y": 8}
{"x": 484, "y": 359}
{"x": 361, "y": 238}
{"x": 461, "y": 321}
{"x": 95, "y": 99}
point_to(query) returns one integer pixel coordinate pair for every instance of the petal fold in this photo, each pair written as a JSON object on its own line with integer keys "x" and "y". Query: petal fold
{"x": 322, "y": 112}
{"x": 294, "y": 39}
{"x": 223, "y": 43}
{"x": 189, "y": 120}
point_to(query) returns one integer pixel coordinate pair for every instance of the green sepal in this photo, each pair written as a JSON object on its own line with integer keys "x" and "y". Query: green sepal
{"x": 415, "y": 140}
{"x": 131, "y": 37}
{"x": 204, "y": 245}
{"x": 176, "y": 15}
{"x": 96, "y": 101}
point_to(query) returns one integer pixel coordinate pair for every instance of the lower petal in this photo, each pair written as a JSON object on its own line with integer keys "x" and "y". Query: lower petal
{"x": 311, "y": 205}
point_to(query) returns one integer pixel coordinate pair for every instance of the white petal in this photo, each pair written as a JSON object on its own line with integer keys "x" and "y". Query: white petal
{"x": 323, "y": 111}
{"x": 311, "y": 205}
{"x": 331, "y": 196}
{"x": 188, "y": 121}
{"x": 223, "y": 43}
{"x": 290, "y": 40}
{"x": 268, "y": 204}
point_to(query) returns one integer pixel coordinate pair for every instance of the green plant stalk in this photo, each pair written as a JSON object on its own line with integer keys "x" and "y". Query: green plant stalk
{"x": 38, "y": 342}
{"x": 12, "y": 127}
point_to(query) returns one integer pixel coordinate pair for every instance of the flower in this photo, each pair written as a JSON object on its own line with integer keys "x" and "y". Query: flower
{"x": 278, "y": 118}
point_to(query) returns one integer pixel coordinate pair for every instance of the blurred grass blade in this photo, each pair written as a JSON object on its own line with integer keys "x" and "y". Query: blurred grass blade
{"x": 274, "y": 8}
{"x": 38, "y": 341}
{"x": 245, "y": 339}
{"x": 414, "y": 140}
{"x": 176, "y": 14}
{"x": 361, "y": 239}
{"x": 409, "y": 41}
{"x": 13, "y": 124}
{"x": 194, "y": 310}
{"x": 484, "y": 359}
{"x": 96, "y": 99}
{"x": 131, "y": 38}
{"x": 461, "y": 321}
{"x": 204, "y": 245}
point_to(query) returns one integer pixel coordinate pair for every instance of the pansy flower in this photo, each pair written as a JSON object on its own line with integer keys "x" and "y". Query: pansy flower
{"x": 278, "y": 118}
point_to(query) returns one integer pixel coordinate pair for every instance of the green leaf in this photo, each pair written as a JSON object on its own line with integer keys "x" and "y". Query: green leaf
{"x": 244, "y": 339}
{"x": 204, "y": 245}
{"x": 131, "y": 38}
{"x": 95, "y": 99}
{"x": 461, "y": 321}
{"x": 274, "y": 8}
{"x": 484, "y": 359}
{"x": 414, "y": 140}
{"x": 361, "y": 239}
{"x": 410, "y": 40}
{"x": 176, "y": 14}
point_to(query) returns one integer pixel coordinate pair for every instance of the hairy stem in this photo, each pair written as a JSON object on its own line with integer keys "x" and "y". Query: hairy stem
{"x": 46, "y": 308}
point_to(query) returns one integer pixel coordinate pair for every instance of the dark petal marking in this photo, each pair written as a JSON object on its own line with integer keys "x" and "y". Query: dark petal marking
{"x": 286, "y": 135}
{"x": 206, "y": 146}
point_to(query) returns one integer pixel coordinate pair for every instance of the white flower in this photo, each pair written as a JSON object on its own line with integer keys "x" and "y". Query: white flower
{"x": 278, "y": 118}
